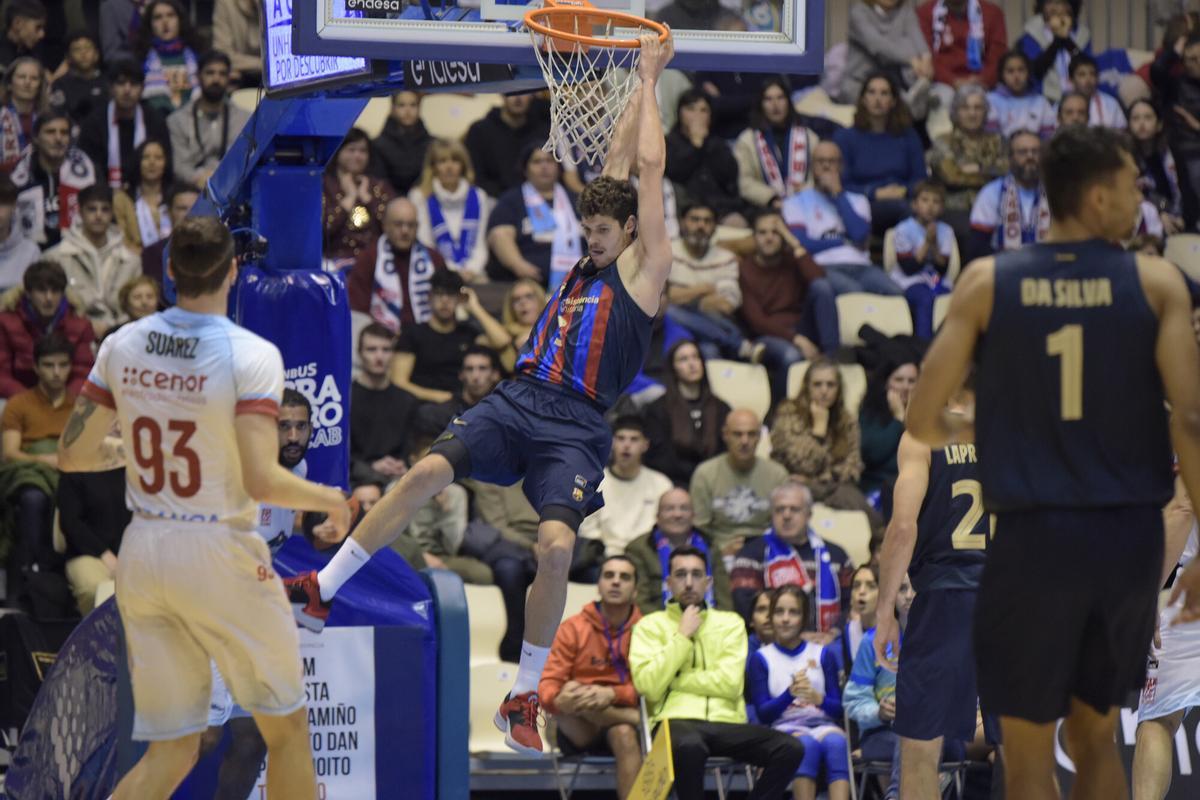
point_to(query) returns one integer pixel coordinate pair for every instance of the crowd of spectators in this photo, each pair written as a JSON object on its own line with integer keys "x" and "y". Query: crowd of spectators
{"x": 108, "y": 135}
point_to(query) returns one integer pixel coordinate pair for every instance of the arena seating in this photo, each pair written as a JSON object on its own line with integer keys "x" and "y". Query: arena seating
{"x": 888, "y": 315}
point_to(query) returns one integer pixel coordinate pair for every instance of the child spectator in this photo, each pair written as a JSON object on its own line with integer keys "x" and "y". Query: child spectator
{"x": 761, "y": 633}
{"x": 16, "y": 251}
{"x": 452, "y": 213}
{"x": 1103, "y": 109}
{"x": 795, "y": 688}
{"x": 882, "y": 154}
{"x": 1181, "y": 94}
{"x": 924, "y": 246}
{"x": 24, "y": 29}
{"x": 870, "y": 695}
{"x": 167, "y": 47}
{"x": 885, "y": 36}
{"x": 96, "y": 261}
{"x": 1016, "y": 104}
{"x": 1051, "y": 40}
{"x": 35, "y": 309}
{"x": 25, "y": 83}
{"x": 79, "y": 84}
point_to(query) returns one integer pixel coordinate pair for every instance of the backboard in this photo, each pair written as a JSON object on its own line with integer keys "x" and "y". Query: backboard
{"x": 781, "y": 36}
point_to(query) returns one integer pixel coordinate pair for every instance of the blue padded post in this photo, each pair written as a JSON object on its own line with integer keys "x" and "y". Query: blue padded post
{"x": 453, "y": 682}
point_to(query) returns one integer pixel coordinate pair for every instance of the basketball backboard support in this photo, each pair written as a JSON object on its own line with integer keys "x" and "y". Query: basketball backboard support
{"x": 780, "y": 36}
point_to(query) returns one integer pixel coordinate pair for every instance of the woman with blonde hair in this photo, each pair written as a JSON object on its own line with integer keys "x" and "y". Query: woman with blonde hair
{"x": 451, "y": 211}
{"x": 26, "y": 85}
{"x": 522, "y": 304}
{"x": 816, "y": 438}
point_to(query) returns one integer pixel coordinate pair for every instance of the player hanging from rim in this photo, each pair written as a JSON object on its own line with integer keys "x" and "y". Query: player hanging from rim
{"x": 547, "y": 425}
{"x": 938, "y": 535}
{"x": 1077, "y": 474}
{"x": 1173, "y": 679}
{"x": 194, "y": 581}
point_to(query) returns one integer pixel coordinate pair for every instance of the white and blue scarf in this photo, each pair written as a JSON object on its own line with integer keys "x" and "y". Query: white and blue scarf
{"x": 455, "y": 249}
{"x": 943, "y": 37}
{"x": 388, "y": 292}
{"x": 558, "y": 222}
{"x": 782, "y": 566}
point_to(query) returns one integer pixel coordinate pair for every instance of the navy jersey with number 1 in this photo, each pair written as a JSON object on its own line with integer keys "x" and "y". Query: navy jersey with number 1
{"x": 952, "y": 528}
{"x": 1070, "y": 405}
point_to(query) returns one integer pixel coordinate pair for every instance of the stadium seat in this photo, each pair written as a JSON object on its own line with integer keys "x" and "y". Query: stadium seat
{"x": 740, "y": 385}
{"x": 485, "y": 614}
{"x": 373, "y": 117}
{"x": 941, "y": 304}
{"x": 849, "y": 530}
{"x": 447, "y": 116}
{"x": 891, "y": 261}
{"x": 854, "y": 383}
{"x": 358, "y": 321}
{"x": 578, "y": 596}
{"x": 888, "y": 315}
{"x": 1183, "y": 250}
{"x": 246, "y": 99}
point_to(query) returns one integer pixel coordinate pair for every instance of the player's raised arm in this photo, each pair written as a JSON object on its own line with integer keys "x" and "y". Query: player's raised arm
{"x": 898, "y": 543}
{"x": 950, "y": 355}
{"x": 653, "y": 244}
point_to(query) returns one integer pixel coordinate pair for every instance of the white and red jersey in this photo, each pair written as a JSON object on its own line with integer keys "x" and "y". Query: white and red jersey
{"x": 176, "y": 380}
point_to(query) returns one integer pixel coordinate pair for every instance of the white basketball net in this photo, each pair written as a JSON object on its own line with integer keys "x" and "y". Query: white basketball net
{"x": 589, "y": 88}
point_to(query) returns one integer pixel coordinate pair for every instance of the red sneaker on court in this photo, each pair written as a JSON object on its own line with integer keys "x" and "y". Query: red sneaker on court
{"x": 518, "y": 718}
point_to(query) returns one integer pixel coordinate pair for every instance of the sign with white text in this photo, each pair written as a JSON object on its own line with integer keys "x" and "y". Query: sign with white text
{"x": 283, "y": 69}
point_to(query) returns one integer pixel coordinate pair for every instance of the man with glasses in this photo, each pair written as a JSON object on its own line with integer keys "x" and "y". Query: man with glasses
{"x": 1012, "y": 211}
{"x": 689, "y": 662}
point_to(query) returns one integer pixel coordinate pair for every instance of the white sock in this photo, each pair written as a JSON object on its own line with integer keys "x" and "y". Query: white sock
{"x": 529, "y": 672}
{"x": 346, "y": 561}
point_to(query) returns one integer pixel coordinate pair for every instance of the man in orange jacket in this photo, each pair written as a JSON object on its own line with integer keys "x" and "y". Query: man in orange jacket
{"x": 586, "y": 684}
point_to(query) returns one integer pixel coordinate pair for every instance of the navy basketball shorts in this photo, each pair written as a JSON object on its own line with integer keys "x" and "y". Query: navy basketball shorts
{"x": 1067, "y": 607}
{"x": 936, "y": 693}
{"x": 558, "y": 443}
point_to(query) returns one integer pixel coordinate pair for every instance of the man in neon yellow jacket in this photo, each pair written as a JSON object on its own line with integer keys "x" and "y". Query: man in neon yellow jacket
{"x": 689, "y": 662}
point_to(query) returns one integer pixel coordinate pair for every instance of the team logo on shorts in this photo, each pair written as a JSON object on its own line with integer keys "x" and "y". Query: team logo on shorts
{"x": 577, "y": 494}
{"x": 459, "y": 421}
{"x": 1150, "y": 690}
{"x": 581, "y": 481}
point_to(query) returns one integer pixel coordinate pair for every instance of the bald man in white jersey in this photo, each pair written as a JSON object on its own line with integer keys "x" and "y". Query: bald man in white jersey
{"x": 197, "y": 399}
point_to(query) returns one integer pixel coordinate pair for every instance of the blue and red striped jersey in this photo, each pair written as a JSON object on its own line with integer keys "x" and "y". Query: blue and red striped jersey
{"x": 591, "y": 338}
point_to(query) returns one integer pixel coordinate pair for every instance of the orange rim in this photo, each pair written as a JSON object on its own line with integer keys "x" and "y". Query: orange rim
{"x": 561, "y": 13}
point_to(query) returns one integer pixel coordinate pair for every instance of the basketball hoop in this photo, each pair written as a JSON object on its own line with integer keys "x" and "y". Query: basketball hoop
{"x": 591, "y": 73}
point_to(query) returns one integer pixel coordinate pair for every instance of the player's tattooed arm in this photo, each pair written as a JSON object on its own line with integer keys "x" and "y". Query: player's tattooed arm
{"x": 84, "y": 408}
{"x": 82, "y": 446}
